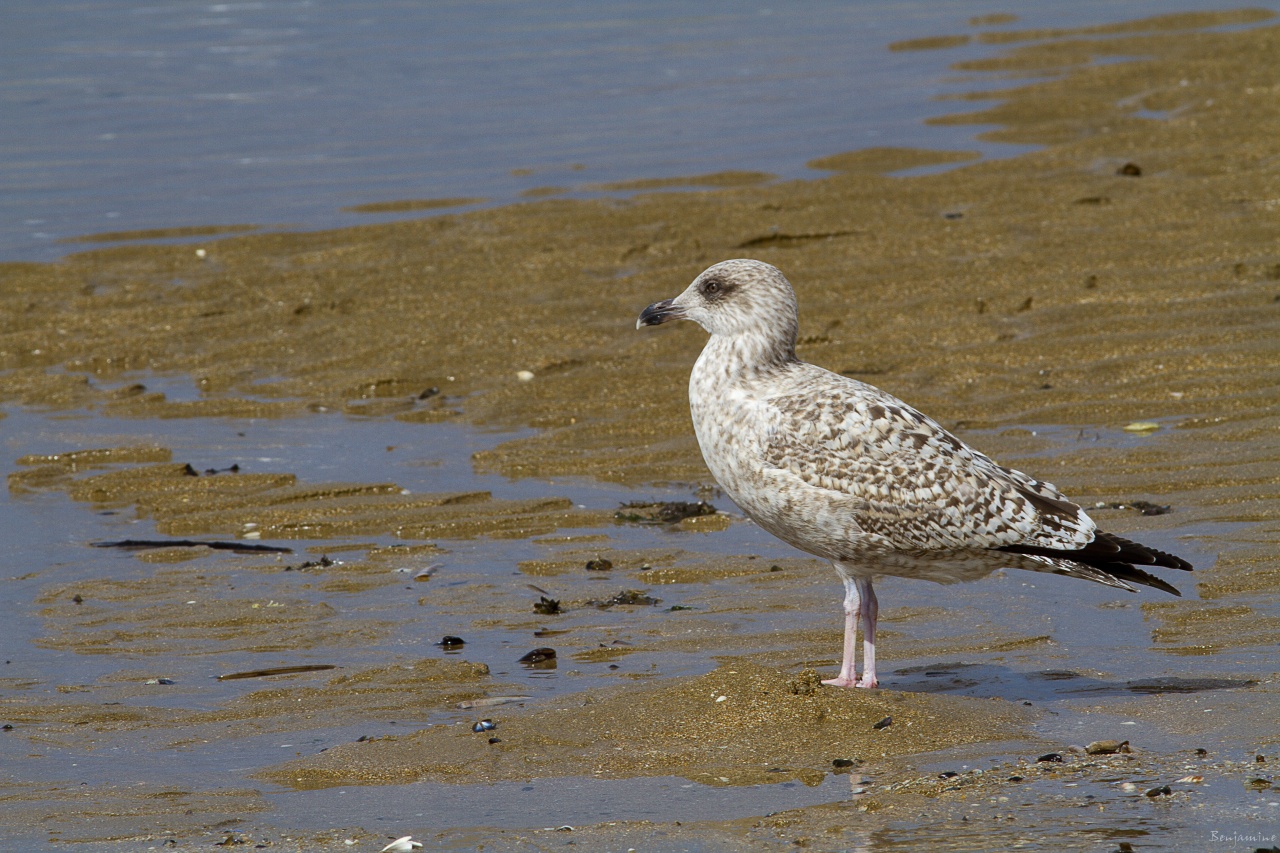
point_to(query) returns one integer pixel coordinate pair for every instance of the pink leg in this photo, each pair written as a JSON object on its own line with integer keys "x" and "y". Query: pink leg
{"x": 848, "y": 676}
{"x": 869, "y": 612}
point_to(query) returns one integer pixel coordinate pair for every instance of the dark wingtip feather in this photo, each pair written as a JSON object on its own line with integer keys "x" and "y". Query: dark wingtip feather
{"x": 1115, "y": 556}
{"x": 1126, "y": 572}
{"x": 1133, "y": 552}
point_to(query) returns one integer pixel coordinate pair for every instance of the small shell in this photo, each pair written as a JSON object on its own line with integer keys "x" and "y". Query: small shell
{"x": 490, "y": 701}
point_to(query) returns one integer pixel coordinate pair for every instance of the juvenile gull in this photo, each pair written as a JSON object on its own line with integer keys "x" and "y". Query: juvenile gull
{"x": 846, "y": 472}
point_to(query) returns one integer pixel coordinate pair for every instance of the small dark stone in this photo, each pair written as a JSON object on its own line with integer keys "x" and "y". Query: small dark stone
{"x": 429, "y": 393}
{"x": 1145, "y": 507}
{"x": 1201, "y": 751}
{"x": 1130, "y": 170}
{"x": 1161, "y": 791}
{"x": 451, "y": 642}
{"x": 495, "y": 740}
{"x": 547, "y": 606}
{"x": 629, "y": 597}
{"x": 8, "y": 727}
{"x": 948, "y": 774}
{"x": 955, "y": 214}
{"x": 599, "y": 564}
{"x": 539, "y": 656}
{"x": 842, "y": 763}
{"x": 883, "y": 724}
{"x": 664, "y": 513}
{"x": 77, "y": 598}
{"x": 1050, "y": 757}
{"x": 1015, "y": 778}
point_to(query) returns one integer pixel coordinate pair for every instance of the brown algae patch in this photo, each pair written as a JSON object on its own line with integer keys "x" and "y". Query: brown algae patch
{"x": 405, "y": 690}
{"x": 716, "y": 179}
{"x": 184, "y": 503}
{"x": 683, "y": 728}
{"x": 882, "y": 161}
{"x": 186, "y": 231}
{"x": 412, "y": 204}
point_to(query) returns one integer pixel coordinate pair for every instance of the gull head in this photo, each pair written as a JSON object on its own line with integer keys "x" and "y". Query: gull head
{"x": 734, "y": 298}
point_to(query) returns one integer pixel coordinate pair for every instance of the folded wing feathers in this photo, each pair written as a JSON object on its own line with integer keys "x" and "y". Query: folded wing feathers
{"x": 920, "y": 486}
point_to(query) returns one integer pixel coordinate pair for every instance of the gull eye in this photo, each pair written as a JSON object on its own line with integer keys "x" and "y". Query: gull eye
{"x": 711, "y": 287}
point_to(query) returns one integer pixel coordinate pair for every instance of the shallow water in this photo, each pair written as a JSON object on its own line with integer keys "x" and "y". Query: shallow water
{"x": 1073, "y": 644}
{"x": 123, "y": 116}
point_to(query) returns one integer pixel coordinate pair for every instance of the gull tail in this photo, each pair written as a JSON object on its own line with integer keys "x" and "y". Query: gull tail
{"x": 1115, "y": 558}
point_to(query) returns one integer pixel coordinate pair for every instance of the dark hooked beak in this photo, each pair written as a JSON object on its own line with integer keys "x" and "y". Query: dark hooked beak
{"x": 659, "y": 313}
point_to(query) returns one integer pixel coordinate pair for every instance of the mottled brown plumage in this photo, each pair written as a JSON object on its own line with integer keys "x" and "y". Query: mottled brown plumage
{"x": 847, "y": 472}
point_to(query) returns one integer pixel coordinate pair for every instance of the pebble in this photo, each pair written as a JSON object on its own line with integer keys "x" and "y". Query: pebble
{"x": 1107, "y": 747}
{"x": 524, "y": 375}
{"x": 539, "y": 655}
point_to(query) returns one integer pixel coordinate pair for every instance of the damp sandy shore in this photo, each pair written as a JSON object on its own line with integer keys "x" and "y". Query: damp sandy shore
{"x": 1126, "y": 271}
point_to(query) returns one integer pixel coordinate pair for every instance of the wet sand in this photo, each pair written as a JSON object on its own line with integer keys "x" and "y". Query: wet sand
{"x": 1127, "y": 271}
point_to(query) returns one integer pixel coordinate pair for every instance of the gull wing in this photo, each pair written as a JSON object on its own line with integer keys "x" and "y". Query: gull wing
{"x": 914, "y": 484}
